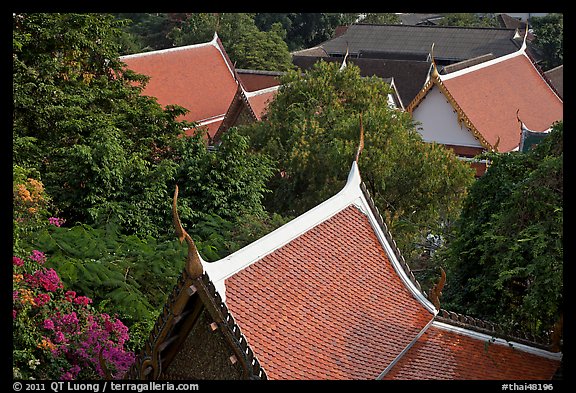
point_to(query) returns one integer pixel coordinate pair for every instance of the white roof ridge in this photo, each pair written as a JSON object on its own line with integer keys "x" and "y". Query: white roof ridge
{"x": 482, "y": 65}
{"x": 520, "y": 51}
{"x": 495, "y": 340}
{"x": 212, "y": 42}
{"x": 254, "y": 93}
{"x": 351, "y": 194}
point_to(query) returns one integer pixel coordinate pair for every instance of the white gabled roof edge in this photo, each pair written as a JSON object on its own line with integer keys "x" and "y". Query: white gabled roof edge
{"x": 499, "y": 341}
{"x": 485, "y": 64}
{"x": 521, "y": 51}
{"x": 212, "y": 42}
{"x": 254, "y": 93}
{"x": 351, "y": 194}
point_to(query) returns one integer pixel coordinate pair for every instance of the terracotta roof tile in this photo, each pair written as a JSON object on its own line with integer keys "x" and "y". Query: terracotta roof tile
{"x": 328, "y": 305}
{"x": 491, "y": 95}
{"x": 196, "y": 77}
{"x": 446, "y": 354}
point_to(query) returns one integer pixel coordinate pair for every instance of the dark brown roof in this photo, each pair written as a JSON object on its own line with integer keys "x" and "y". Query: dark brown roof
{"x": 409, "y": 75}
{"x": 556, "y": 78}
{"x": 452, "y": 44}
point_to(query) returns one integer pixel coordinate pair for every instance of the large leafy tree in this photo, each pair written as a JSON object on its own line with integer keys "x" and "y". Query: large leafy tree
{"x": 505, "y": 261}
{"x": 247, "y": 45}
{"x": 549, "y": 32}
{"x": 304, "y": 30}
{"x": 81, "y": 121}
{"x": 312, "y": 132}
{"x": 105, "y": 151}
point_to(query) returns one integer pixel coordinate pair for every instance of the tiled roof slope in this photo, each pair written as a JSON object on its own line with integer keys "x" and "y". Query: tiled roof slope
{"x": 253, "y": 80}
{"x": 409, "y": 75}
{"x": 198, "y": 77}
{"x": 246, "y": 107}
{"x": 327, "y": 305}
{"x": 451, "y": 43}
{"x": 445, "y": 352}
{"x": 491, "y": 93}
{"x": 329, "y": 296}
{"x": 195, "y": 336}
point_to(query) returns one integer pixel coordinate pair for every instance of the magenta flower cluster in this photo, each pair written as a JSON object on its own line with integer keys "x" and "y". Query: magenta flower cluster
{"x": 56, "y": 221}
{"x": 71, "y": 332}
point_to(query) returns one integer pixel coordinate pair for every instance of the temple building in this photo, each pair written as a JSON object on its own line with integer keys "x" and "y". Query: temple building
{"x": 327, "y": 296}
{"x": 481, "y": 107}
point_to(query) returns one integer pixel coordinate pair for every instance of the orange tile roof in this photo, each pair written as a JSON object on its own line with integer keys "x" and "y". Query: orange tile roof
{"x": 327, "y": 305}
{"x": 328, "y": 296}
{"x": 260, "y": 99}
{"x": 491, "y": 94}
{"x": 196, "y": 77}
{"x": 447, "y": 354}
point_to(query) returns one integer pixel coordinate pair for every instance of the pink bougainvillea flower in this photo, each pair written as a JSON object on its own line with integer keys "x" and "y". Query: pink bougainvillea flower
{"x": 56, "y": 221}
{"x": 70, "y": 295}
{"x": 83, "y": 300}
{"x": 48, "y": 324}
{"x": 42, "y": 299}
{"x": 38, "y": 256}
{"x": 17, "y": 261}
{"x": 46, "y": 278}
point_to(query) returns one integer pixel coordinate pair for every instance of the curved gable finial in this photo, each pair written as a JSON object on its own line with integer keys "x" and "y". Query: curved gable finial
{"x": 523, "y": 47}
{"x": 361, "y": 143}
{"x": 434, "y": 71}
{"x": 194, "y": 266}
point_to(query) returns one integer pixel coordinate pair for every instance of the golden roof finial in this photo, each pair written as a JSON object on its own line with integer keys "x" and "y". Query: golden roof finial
{"x": 193, "y": 264}
{"x": 361, "y": 143}
{"x": 434, "y": 68}
{"x": 436, "y": 290}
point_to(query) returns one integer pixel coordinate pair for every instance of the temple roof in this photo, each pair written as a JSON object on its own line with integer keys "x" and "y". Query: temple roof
{"x": 329, "y": 296}
{"x": 324, "y": 296}
{"x": 197, "y": 77}
{"x": 452, "y": 43}
{"x": 448, "y": 352}
{"x": 490, "y": 96}
{"x": 409, "y": 75}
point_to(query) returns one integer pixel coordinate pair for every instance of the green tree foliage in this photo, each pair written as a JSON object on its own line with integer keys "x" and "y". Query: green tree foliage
{"x": 312, "y": 132}
{"x": 82, "y": 122}
{"x": 147, "y": 31}
{"x": 549, "y": 32}
{"x": 304, "y": 30}
{"x": 381, "y": 18}
{"x": 505, "y": 262}
{"x": 468, "y": 20}
{"x": 106, "y": 153}
{"x": 247, "y": 46}
{"x": 228, "y": 182}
